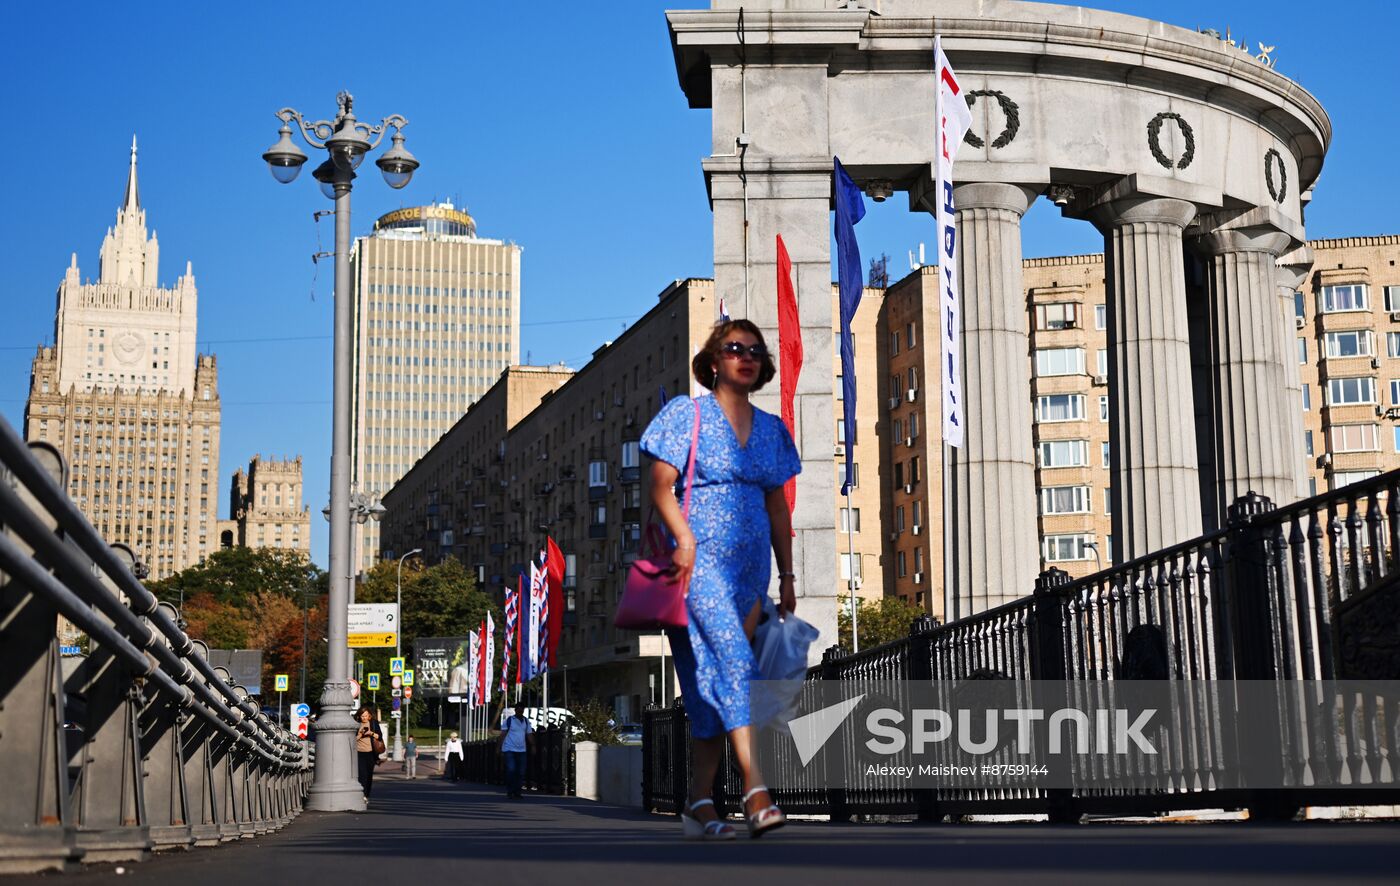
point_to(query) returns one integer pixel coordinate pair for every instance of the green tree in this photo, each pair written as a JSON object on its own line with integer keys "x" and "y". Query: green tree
{"x": 234, "y": 576}
{"x": 881, "y": 621}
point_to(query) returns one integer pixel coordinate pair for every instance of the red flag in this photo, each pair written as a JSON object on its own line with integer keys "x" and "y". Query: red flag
{"x": 789, "y": 353}
{"x": 481, "y": 666}
{"x": 554, "y": 569}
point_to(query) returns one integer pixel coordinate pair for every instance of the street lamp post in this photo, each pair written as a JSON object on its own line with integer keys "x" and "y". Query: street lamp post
{"x": 346, "y": 142}
{"x": 398, "y": 643}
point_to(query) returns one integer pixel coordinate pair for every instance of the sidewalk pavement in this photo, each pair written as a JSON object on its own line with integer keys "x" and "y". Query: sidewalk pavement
{"x": 429, "y": 831}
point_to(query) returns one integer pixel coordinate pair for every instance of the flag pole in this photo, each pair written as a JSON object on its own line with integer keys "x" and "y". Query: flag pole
{"x": 853, "y": 582}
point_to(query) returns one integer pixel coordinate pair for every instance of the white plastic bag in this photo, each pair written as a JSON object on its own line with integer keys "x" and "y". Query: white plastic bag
{"x": 780, "y": 650}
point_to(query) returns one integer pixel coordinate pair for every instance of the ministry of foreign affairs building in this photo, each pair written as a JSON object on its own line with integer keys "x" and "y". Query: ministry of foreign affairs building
{"x": 129, "y": 402}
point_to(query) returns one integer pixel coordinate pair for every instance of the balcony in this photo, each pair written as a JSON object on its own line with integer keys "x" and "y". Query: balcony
{"x": 597, "y": 492}
{"x": 597, "y": 530}
{"x": 629, "y": 475}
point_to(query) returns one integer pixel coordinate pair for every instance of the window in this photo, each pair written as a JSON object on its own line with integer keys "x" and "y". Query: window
{"x": 855, "y": 474}
{"x": 1395, "y": 392}
{"x": 1059, "y": 361}
{"x": 1348, "y": 297}
{"x": 1392, "y": 298}
{"x": 913, "y": 424}
{"x": 1353, "y": 343}
{"x": 909, "y": 338}
{"x": 1346, "y": 478}
{"x": 1108, "y": 501}
{"x": 898, "y": 425}
{"x": 1356, "y": 438}
{"x": 600, "y": 514}
{"x": 1103, "y": 408}
{"x": 894, "y": 343}
{"x": 1392, "y": 344}
{"x": 847, "y": 560}
{"x": 899, "y": 565}
{"x": 1061, "y": 548}
{"x": 1064, "y": 453}
{"x": 1298, "y": 303}
{"x": 914, "y": 469}
{"x": 840, "y": 432}
{"x": 850, "y": 520}
{"x": 1302, "y": 350}
{"x": 1100, "y": 316}
{"x": 1063, "y": 315}
{"x": 918, "y": 513}
{"x": 1101, "y": 361}
{"x": 1397, "y": 439}
{"x": 1064, "y": 500}
{"x": 898, "y": 518}
{"x": 597, "y": 473}
{"x": 1349, "y": 391}
{"x": 631, "y": 454}
{"x": 1060, "y": 407}
{"x": 1308, "y": 441}
{"x": 1106, "y": 461}
{"x": 1307, "y": 397}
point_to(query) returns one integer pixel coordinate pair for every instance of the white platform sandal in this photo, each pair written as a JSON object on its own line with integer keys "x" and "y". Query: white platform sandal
{"x": 766, "y": 819}
{"x": 695, "y": 829}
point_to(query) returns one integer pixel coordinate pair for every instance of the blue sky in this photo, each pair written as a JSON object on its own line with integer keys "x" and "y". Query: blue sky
{"x": 559, "y": 126}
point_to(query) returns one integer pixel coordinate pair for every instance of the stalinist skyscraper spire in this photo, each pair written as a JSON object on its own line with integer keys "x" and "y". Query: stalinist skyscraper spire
{"x": 128, "y": 399}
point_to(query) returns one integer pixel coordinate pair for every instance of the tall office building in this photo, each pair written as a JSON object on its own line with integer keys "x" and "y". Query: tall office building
{"x": 127, "y": 399}
{"x": 437, "y": 318}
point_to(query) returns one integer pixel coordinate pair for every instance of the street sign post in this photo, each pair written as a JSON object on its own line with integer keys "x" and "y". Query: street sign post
{"x": 396, "y": 681}
{"x": 373, "y": 625}
{"x": 300, "y": 714}
{"x": 280, "y": 684}
{"x": 408, "y": 692}
{"x": 408, "y": 677}
{"x": 395, "y": 666}
{"x": 372, "y": 680}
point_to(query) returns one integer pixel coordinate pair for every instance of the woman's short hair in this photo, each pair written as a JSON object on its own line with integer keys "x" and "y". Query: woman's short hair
{"x": 364, "y": 710}
{"x": 703, "y": 365}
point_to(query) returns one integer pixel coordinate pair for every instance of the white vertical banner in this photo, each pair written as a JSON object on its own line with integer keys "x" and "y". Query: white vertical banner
{"x": 490, "y": 656}
{"x": 473, "y": 667}
{"x": 532, "y": 628}
{"x": 954, "y": 118}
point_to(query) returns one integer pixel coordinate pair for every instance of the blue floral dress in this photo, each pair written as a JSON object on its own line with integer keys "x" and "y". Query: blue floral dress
{"x": 714, "y": 661}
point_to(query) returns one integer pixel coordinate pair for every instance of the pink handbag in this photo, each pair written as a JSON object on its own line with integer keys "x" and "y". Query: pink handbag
{"x": 653, "y": 596}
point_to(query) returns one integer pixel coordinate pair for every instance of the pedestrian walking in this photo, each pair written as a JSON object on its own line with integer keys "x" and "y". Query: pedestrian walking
{"x": 738, "y": 512}
{"x": 452, "y": 756}
{"x": 410, "y": 757}
{"x": 368, "y": 746}
{"x": 516, "y": 736}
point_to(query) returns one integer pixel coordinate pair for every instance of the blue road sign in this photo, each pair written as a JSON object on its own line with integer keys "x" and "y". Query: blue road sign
{"x": 301, "y": 710}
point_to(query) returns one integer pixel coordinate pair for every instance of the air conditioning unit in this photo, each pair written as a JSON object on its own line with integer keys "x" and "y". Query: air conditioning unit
{"x": 894, "y": 401}
{"x": 917, "y": 529}
{"x": 911, "y": 395}
{"x": 1375, "y": 362}
{"x": 840, "y": 451}
{"x": 631, "y": 420}
{"x": 598, "y": 415}
{"x": 1325, "y": 460}
{"x": 894, "y": 535}
{"x": 1301, "y": 322}
{"x": 1070, "y": 324}
{"x": 1100, "y": 380}
{"x": 918, "y": 578}
{"x": 908, "y": 488}
{"x": 1395, "y": 316}
{"x": 909, "y": 441}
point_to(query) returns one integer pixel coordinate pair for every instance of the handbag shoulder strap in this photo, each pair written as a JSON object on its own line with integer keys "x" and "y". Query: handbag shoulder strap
{"x": 690, "y": 460}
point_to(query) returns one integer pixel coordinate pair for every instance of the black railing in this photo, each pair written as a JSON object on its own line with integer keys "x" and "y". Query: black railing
{"x": 1255, "y": 601}
{"x": 549, "y": 766}
{"x": 144, "y": 745}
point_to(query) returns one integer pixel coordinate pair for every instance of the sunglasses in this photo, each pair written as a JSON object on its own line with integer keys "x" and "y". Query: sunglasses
{"x": 737, "y": 349}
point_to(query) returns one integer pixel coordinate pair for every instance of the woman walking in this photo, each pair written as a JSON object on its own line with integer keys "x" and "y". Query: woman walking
{"x": 452, "y": 756}
{"x": 738, "y": 512}
{"x": 368, "y": 746}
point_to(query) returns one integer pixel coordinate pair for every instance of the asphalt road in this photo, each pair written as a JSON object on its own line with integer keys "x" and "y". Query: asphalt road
{"x": 429, "y": 832}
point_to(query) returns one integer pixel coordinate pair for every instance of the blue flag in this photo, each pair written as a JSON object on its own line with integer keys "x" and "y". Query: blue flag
{"x": 664, "y": 398}
{"x": 850, "y": 208}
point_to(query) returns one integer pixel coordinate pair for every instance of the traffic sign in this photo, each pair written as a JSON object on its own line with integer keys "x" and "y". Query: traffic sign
{"x": 408, "y": 677}
{"x": 301, "y": 710}
{"x": 354, "y": 688}
{"x": 300, "y": 713}
{"x": 408, "y": 692}
{"x": 395, "y": 666}
{"x": 396, "y": 703}
{"x": 281, "y": 683}
{"x": 394, "y": 715}
{"x": 372, "y": 625}
{"x": 397, "y": 692}
{"x": 396, "y": 681}
{"x": 454, "y": 699}
{"x": 372, "y": 681}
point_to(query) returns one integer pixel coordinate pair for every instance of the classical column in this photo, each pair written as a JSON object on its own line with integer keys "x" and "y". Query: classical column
{"x": 792, "y": 198}
{"x": 1252, "y": 438}
{"x": 992, "y": 537}
{"x": 1290, "y": 273}
{"x": 1152, "y": 435}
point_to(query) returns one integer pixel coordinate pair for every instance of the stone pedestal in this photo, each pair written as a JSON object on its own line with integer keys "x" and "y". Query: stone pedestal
{"x": 794, "y": 200}
{"x": 1290, "y": 273}
{"x": 1152, "y": 435}
{"x": 1252, "y": 436}
{"x": 992, "y": 541}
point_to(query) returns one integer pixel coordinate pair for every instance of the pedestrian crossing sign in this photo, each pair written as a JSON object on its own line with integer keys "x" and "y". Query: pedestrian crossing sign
{"x": 396, "y": 666}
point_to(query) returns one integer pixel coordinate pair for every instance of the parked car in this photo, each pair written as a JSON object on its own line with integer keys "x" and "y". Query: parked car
{"x": 629, "y": 733}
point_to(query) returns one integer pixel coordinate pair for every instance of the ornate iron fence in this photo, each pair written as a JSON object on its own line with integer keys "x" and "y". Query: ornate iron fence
{"x": 145, "y": 745}
{"x": 549, "y": 763}
{"x": 1308, "y": 592}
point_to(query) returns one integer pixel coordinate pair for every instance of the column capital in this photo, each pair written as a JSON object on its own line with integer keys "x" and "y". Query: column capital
{"x": 995, "y": 195}
{"x": 1220, "y": 241}
{"x": 1142, "y": 209}
{"x": 1293, "y": 268}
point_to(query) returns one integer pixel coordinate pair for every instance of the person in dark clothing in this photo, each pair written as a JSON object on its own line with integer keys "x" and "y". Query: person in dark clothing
{"x": 369, "y": 744}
